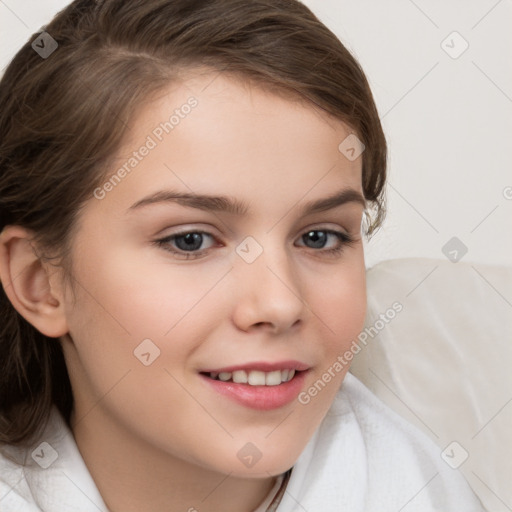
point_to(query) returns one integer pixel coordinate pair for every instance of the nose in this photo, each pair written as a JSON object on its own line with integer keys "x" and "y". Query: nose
{"x": 268, "y": 293}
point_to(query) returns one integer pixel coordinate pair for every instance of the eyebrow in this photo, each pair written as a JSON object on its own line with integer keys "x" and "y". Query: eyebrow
{"x": 229, "y": 205}
{"x": 202, "y": 202}
{"x": 348, "y": 195}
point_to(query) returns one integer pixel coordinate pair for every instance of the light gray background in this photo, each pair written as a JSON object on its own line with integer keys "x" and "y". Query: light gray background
{"x": 448, "y": 120}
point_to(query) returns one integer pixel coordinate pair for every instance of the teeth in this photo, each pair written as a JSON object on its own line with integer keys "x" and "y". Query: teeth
{"x": 255, "y": 377}
{"x": 240, "y": 377}
{"x": 273, "y": 378}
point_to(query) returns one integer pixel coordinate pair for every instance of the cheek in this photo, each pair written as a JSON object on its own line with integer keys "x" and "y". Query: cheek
{"x": 145, "y": 297}
{"x": 126, "y": 301}
{"x": 338, "y": 306}
{"x": 338, "y": 299}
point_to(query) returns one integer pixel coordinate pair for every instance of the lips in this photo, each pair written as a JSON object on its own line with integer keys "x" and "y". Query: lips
{"x": 258, "y": 385}
{"x": 260, "y": 366}
{"x": 259, "y": 397}
{"x": 258, "y": 373}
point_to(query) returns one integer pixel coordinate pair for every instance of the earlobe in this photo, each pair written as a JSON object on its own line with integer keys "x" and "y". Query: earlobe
{"x": 26, "y": 281}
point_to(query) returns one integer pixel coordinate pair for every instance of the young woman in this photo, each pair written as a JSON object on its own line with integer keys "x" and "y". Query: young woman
{"x": 183, "y": 190}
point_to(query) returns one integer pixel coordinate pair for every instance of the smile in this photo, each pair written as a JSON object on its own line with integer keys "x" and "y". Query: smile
{"x": 255, "y": 377}
{"x": 263, "y": 391}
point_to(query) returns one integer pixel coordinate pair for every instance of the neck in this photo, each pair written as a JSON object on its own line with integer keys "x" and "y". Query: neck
{"x": 133, "y": 476}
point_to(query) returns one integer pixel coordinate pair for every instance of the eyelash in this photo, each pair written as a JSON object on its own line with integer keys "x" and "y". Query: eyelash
{"x": 344, "y": 240}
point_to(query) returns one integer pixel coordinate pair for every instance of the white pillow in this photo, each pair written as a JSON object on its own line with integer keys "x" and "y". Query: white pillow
{"x": 437, "y": 348}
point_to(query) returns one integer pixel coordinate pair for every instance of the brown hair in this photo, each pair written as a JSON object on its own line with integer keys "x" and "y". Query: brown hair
{"x": 62, "y": 119}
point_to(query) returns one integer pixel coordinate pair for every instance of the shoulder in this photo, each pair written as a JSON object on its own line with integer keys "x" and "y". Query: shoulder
{"x": 49, "y": 474}
{"x": 367, "y": 457}
{"x": 402, "y": 457}
{"x": 15, "y": 494}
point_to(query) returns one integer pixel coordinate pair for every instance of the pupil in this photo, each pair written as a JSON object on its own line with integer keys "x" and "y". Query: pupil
{"x": 189, "y": 242}
{"x": 317, "y": 239}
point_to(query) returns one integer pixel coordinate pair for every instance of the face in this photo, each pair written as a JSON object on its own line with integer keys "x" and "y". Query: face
{"x": 229, "y": 248}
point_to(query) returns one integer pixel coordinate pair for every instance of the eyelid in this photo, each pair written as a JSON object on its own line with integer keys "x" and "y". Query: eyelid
{"x": 185, "y": 232}
{"x": 345, "y": 238}
{"x": 189, "y": 227}
{"x": 165, "y": 243}
{"x": 330, "y": 227}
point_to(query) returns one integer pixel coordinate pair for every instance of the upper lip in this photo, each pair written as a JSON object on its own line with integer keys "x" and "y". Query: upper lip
{"x": 261, "y": 366}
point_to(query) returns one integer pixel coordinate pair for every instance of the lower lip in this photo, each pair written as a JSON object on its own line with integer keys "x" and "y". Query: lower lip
{"x": 262, "y": 398}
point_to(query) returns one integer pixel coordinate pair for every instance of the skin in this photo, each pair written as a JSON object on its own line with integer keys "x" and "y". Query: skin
{"x": 156, "y": 437}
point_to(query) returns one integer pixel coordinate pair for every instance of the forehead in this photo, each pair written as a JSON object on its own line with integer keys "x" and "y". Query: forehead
{"x": 217, "y": 134}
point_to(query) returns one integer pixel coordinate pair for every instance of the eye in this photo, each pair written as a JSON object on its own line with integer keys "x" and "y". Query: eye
{"x": 187, "y": 244}
{"x": 325, "y": 240}
{"x": 190, "y": 241}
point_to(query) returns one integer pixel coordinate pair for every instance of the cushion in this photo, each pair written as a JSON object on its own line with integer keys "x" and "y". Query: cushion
{"x": 437, "y": 348}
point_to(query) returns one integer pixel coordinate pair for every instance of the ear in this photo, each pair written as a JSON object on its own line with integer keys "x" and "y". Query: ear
{"x": 27, "y": 282}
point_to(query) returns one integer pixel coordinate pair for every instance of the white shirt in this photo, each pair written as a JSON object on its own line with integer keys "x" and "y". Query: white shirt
{"x": 362, "y": 458}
